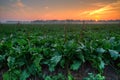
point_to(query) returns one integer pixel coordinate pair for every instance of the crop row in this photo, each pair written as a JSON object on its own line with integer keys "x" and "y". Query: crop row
{"x": 23, "y": 56}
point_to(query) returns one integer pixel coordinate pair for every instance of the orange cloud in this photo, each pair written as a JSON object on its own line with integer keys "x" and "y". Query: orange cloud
{"x": 105, "y": 12}
{"x": 100, "y": 11}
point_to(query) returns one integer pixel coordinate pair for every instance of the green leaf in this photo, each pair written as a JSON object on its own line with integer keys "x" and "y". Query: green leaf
{"x": 48, "y": 78}
{"x": 102, "y": 65}
{"x": 62, "y": 63}
{"x": 75, "y": 65}
{"x": 16, "y": 72}
{"x": 107, "y": 44}
{"x": 117, "y": 47}
{"x": 54, "y": 61}
{"x": 17, "y": 49}
{"x": 24, "y": 75}
{"x": 11, "y": 61}
{"x": 37, "y": 62}
{"x": 112, "y": 39}
{"x": 100, "y": 50}
{"x": 11, "y": 75}
{"x": 70, "y": 77}
{"x": 81, "y": 57}
{"x": 20, "y": 62}
{"x": 22, "y": 41}
{"x": 6, "y": 76}
{"x": 2, "y": 58}
{"x": 59, "y": 76}
{"x": 31, "y": 69}
{"x": 100, "y": 77}
{"x": 92, "y": 76}
{"x": 114, "y": 54}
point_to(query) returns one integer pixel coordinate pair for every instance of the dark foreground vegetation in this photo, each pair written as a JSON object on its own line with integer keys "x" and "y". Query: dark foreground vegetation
{"x": 59, "y": 52}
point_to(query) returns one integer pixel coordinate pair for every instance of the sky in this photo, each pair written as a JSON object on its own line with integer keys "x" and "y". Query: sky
{"x": 59, "y": 9}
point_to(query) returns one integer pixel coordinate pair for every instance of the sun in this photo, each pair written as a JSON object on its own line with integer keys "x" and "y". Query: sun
{"x": 96, "y": 20}
{"x": 97, "y": 17}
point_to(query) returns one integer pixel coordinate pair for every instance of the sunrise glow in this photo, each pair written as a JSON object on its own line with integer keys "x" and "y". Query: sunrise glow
{"x": 59, "y": 9}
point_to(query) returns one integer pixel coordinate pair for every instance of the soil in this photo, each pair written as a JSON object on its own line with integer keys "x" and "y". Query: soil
{"x": 109, "y": 72}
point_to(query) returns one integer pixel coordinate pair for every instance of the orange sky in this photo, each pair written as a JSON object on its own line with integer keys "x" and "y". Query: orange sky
{"x": 59, "y": 9}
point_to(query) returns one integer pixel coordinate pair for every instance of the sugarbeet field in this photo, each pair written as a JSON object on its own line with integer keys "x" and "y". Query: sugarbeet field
{"x": 59, "y": 52}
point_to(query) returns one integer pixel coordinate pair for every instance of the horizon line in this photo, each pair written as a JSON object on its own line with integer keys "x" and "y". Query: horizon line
{"x": 62, "y": 20}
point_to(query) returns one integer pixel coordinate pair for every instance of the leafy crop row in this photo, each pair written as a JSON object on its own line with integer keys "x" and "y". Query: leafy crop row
{"x": 26, "y": 56}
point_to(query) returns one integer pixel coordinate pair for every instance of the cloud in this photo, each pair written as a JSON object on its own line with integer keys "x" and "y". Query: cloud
{"x": 100, "y": 11}
{"x": 105, "y": 9}
{"x": 108, "y": 11}
{"x": 18, "y": 4}
{"x": 46, "y": 7}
